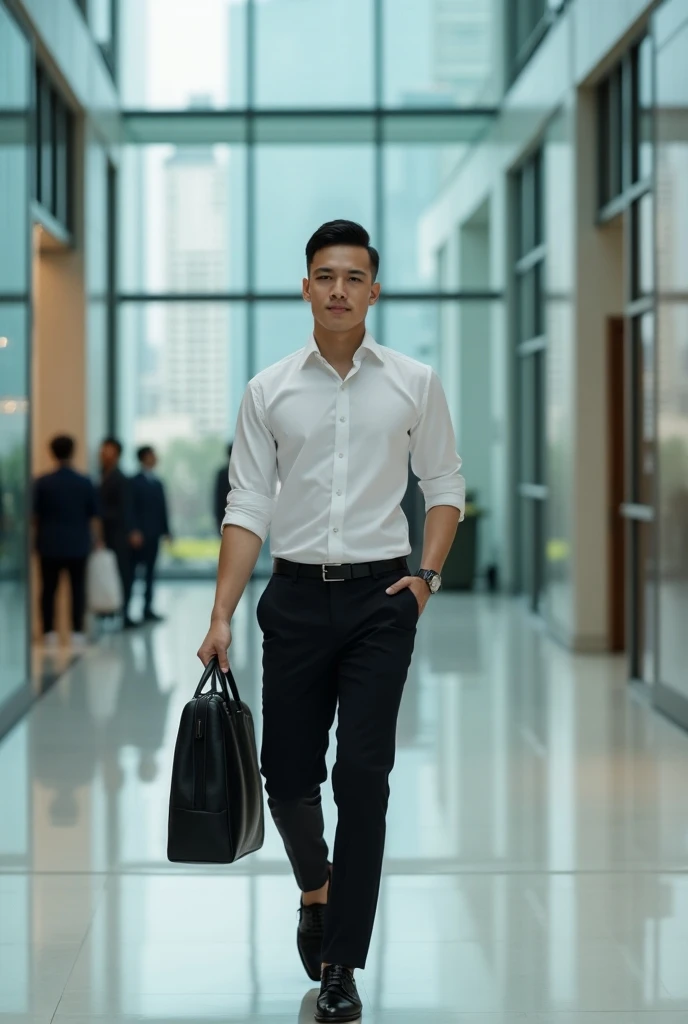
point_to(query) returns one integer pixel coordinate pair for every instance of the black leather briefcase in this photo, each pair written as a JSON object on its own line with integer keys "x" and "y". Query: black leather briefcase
{"x": 216, "y": 799}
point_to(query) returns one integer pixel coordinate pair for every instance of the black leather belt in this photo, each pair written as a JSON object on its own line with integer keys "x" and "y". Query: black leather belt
{"x": 335, "y": 573}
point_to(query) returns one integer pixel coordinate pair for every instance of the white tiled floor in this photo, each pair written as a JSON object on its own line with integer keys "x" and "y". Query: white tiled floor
{"x": 537, "y": 865}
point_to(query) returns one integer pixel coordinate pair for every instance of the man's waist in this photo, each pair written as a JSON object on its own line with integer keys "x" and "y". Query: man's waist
{"x": 338, "y": 572}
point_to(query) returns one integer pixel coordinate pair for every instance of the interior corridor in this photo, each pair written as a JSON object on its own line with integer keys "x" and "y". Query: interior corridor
{"x": 536, "y": 854}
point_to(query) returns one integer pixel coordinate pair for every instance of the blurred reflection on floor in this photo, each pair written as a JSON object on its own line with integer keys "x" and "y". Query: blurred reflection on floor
{"x": 537, "y": 844}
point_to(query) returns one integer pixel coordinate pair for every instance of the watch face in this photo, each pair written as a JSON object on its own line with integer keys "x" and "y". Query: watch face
{"x": 435, "y": 584}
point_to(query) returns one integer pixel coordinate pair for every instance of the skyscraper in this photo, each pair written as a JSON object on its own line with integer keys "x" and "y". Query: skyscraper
{"x": 195, "y": 352}
{"x": 462, "y": 48}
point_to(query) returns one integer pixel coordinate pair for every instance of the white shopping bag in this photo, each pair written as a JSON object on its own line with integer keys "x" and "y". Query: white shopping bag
{"x": 103, "y": 584}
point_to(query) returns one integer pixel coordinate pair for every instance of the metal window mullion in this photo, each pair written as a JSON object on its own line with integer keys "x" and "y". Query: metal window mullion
{"x": 378, "y": 161}
{"x": 251, "y": 221}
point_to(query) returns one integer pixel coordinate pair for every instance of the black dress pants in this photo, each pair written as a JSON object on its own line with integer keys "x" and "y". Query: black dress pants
{"x": 325, "y": 645}
{"x": 51, "y": 568}
{"x": 147, "y": 556}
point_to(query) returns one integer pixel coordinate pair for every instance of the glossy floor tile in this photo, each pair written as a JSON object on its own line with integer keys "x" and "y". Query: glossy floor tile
{"x": 537, "y": 853}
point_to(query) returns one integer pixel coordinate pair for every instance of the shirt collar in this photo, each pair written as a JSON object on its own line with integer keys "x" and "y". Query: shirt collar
{"x": 368, "y": 347}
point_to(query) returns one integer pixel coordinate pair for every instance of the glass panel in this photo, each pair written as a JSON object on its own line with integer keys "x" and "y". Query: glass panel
{"x": 603, "y": 142}
{"x": 187, "y": 364}
{"x": 528, "y": 418}
{"x": 672, "y": 165}
{"x": 644, "y": 93}
{"x": 644, "y": 409}
{"x": 15, "y": 484}
{"x": 183, "y": 219}
{"x": 439, "y": 53}
{"x": 643, "y": 246}
{"x": 413, "y": 177}
{"x": 612, "y": 120}
{"x": 175, "y": 54}
{"x": 100, "y": 16}
{"x": 644, "y": 598}
{"x": 14, "y": 496}
{"x": 62, "y": 163}
{"x": 14, "y": 178}
{"x": 305, "y": 57}
{"x": 672, "y": 338}
{"x": 46, "y": 131}
{"x": 529, "y": 288}
{"x": 298, "y": 189}
{"x": 414, "y": 329}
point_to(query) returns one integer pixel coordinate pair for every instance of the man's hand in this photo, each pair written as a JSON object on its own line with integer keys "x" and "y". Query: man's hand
{"x": 216, "y": 644}
{"x": 136, "y": 539}
{"x": 419, "y": 587}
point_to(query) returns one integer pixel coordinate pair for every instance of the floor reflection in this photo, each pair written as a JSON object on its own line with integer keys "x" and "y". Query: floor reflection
{"x": 537, "y": 845}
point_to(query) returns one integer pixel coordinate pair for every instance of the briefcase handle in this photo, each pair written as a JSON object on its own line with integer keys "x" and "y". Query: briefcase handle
{"x": 213, "y": 672}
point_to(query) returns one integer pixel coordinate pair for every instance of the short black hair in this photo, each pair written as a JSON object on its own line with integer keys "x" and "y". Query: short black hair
{"x": 114, "y": 442}
{"x": 341, "y": 232}
{"x": 145, "y": 450}
{"x": 62, "y": 447}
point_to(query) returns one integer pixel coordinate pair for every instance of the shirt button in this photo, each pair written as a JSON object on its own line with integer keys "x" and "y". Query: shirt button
{"x": 341, "y": 455}
{"x": 342, "y": 419}
{"x": 336, "y": 529}
{"x": 339, "y": 494}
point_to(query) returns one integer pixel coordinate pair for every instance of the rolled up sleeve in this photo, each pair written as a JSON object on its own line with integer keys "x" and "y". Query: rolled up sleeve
{"x": 252, "y": 469}
{"x": 433, "y": 451}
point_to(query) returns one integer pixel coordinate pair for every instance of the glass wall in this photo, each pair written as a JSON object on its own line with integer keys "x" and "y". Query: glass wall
{"x": 242, "y": 142}
{"x": 15, "y": 166}
{"x": 672, "y": 383}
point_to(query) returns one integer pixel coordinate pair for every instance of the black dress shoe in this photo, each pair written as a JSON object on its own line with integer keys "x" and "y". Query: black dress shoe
{"x": 338, "y": 1000}
{"x": 130, "y": 624}
{"x": 309, "y": 938}
{"x": 310, "y": 933}
{"x": 152, "y": 617}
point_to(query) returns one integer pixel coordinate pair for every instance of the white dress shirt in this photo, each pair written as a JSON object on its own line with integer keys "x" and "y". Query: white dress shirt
{"x": 322, "y": 463}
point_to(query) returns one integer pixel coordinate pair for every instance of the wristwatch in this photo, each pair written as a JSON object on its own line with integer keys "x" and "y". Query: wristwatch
{"x": 432, "y": 578}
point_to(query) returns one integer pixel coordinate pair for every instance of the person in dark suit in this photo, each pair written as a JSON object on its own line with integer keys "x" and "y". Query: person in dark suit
{"x": 118, "y": 517}
{"x": 151, "y": 523}
{"x": 65, "y": 509}
{"x": 221, "y": 490}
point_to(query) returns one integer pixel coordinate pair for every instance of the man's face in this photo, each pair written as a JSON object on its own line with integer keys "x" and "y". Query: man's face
{"x": 340, "y": 287}
{"x": 150, "y": 461}
{"x": 109, "y": 456}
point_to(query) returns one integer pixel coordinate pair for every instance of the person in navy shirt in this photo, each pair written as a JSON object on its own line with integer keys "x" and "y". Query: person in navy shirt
{"x": 151, "y": 523}
{"x": 67, "y": 527}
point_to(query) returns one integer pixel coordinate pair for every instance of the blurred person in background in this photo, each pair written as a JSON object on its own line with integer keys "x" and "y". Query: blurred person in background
{"x": 151, "y": 523}
{"x": 221, "y": 491}
{"x": 65, "y": 508}
{"x": 117, "y": 513}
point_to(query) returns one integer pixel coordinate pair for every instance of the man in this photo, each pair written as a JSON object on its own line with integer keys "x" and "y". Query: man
{"x": 220, "y": 490}
{"x": 334, "y": 425}
{"x": 67, "y": 527}
{"x": 151, "y": 522}
{"x": 118, "y": 517}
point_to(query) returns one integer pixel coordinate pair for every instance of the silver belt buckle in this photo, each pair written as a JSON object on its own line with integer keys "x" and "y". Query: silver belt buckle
{"x": 330, "y": 565}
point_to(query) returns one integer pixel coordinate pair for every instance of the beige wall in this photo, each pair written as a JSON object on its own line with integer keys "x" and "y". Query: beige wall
{"x": 58, "y": 373}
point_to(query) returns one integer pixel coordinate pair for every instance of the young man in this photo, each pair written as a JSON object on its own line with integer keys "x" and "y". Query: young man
{"x": 334, "y": 424}
{"x": 151, "y": 522}
{"x": 67, "y": 528}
